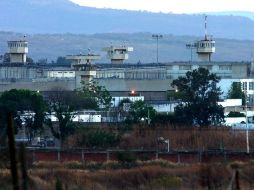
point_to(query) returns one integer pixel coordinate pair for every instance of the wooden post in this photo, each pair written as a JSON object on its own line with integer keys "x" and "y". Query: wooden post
{"x": 82, "y": 155}
{"x": 12, "y": 151}
{"x": 22, "y": 158}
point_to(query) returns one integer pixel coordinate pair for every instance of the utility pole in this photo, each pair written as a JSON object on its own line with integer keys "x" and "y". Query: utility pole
{"x": 157, "y": 37}
{"x": 247, "y": 124}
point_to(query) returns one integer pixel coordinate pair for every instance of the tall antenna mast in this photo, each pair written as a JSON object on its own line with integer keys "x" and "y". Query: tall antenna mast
{"x": 205, "y": 27}
{"x": 205, "y": 47}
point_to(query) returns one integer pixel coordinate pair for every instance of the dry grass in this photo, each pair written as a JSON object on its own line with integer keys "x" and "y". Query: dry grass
{"x": 145, "y": 137}
{"x": 188, "y": 138}
{"x": 149, "y": 175}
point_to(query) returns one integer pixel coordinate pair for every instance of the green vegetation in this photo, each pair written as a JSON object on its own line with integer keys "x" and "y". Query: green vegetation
{"x": 63, "y": 60}
{"x": 198, "y": 94}
{"x": 26, "y": 107}
{"x": 97, "y": 138}
{"x": 96, "y": 93}
{"x": 62, "y": 105}
{"x": 140, "y": 111}
{"x": 235, "y": 92}
{"x": 235, "y": 114}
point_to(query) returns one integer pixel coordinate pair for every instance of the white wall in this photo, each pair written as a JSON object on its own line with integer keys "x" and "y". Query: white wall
{"x": 231, "y": 102}
{"x": 164, "y": 108}
{"x": 117, "y": 99}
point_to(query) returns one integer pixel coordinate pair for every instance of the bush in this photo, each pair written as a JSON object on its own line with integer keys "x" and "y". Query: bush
{"x": 164, "y": 119}
{"x": 126, "y": 158}
{"x": 168, "y": 182}
{"x": 59, "y": 185}
{"x": 235, "y": 114}
{"x": 98, "y": 138}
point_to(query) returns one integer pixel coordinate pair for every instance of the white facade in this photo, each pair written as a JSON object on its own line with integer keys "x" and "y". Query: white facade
{"x": 165, "y": 108}
{"x": 60, "y": 74}
{"x": 205, "y": 48}
{"x": 80, "y": 117}
{"x": 248, "y": 88}
{"x": 18, "y": 51}
{"x": 116, "y": 100}
{"x": 231, "y": 102}
{"x": 118, "y": 54}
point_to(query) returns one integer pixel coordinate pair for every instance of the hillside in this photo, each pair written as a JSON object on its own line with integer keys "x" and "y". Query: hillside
{"x": 63, "y": 16}
{"x": 171, "y": 47}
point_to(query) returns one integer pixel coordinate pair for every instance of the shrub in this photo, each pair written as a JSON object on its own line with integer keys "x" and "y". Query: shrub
{"x": 59, "y": 185}
{"x": 98, "y": 138}
{"x": 235, "y": 114}
{"x": 126, "y": 158}
{"x": 168, "y": 182}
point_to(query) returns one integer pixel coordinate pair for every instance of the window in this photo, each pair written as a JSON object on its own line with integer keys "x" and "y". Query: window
{"x": 184, "y": 67}
{"x": 225, "y": 67}
{"x": 244, "y": 85}
{"x": 170, "y": 67}
{"x": 251, "y": 98}
{"x": 251, "y": 85}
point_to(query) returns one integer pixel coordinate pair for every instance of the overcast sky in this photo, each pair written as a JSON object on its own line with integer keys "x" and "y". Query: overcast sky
{"x": 175, "y": 6}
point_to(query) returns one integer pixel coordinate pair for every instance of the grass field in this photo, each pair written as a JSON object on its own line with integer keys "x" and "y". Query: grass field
{"x": 138, "y": 175}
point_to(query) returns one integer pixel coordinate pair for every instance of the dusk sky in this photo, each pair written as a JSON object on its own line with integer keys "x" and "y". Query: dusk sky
{"x": 174, "y": 6}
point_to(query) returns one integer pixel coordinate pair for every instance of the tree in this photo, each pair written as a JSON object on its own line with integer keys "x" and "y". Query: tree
{"x": 42, "y": 61}
{"x": 199, "y": 94}
{"x": 6, "y": 58}
{"x": 29, "y": 60}
{"x": 64, "y": 105}
{"x": 139, "y": 111}
{"x": 63, "y": 60}
{"x": 96, "y": 93}
{"x": 235, "y": 92}
{"x": 27, "y": 108}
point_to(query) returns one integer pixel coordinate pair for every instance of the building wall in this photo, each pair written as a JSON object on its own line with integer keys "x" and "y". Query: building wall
{"x": 174, "y": 70}
{"x": 18, "y": 73}
{"x": 38, "y": 85}
{"x": 61, "y": 74}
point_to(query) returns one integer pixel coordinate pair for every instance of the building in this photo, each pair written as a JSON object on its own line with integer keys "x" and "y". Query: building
{"x": 152, "y": 81}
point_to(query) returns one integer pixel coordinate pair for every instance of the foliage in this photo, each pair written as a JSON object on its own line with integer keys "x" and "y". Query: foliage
{"x": 126, "y": 157}
{"x": 6, "y": 58}
{"x": 59, "y": 185}
{"x": 199, "y": 95}
{"x": 62, "y": 104}
{"x": 235, "y": 92}
{"x": 164, "y": 118}
{"x": 98, "y": 138}
{"x": 139, "y": 111}
{"x": 27, "y": 108}
{"x": 62, "y": 60}
{"x": 124, "y": 101}
{"x": 96, "y": 93}
{"x": 168, "y": 182}
{"x": 42, "y": 61}
{"x": 29, "y": 60}
{"x": 235, "y": 114}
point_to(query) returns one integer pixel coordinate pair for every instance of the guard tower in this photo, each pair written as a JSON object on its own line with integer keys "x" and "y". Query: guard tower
{"x": 83, "y": 65}
{"x": 205, "y": 47}
{"x": 118, "y": 54}
{"x": 18, "y": 51}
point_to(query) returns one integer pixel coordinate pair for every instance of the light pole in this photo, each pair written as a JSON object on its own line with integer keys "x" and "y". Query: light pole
{"x": 157, "y": 37}
{"x": 191, "y": 47}
{"x": 165, "y": 141}
{"x": 247, "y": 125}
